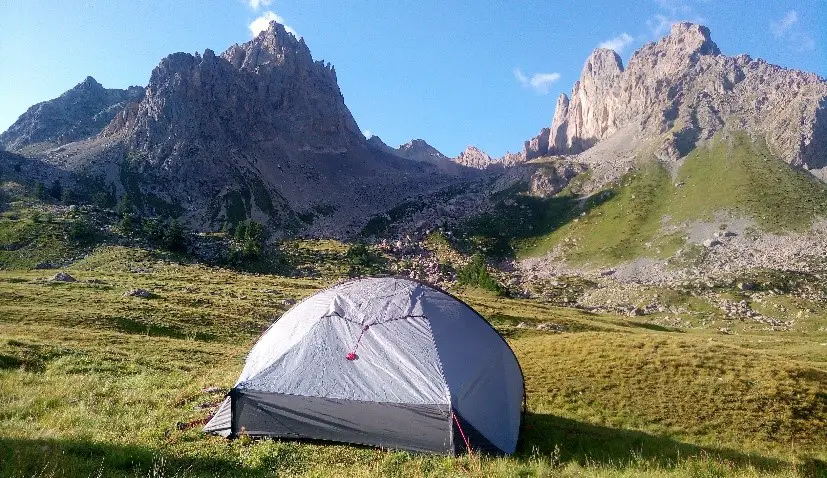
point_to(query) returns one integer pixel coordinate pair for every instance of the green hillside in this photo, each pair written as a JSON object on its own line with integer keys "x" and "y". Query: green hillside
{"x": 733, "y": 175}
{"x": 93, "y": 383}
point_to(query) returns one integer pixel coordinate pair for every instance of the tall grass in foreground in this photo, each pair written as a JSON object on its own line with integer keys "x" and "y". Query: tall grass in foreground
{"x": 95, "y": 383}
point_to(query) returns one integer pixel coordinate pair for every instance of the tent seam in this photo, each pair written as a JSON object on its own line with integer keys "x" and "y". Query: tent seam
{"x": 445, "y": 382}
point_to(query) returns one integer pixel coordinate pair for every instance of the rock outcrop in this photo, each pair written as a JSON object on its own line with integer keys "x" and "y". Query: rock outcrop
{"x": 259, "y": 132}
{"x": 419, "y": 150}
{"x": 77, "y": 114}
{"x": 375, "y": 143}
{"x": 681, "y": 90}
{"x": 264, "y": 90}
{"x": 536, "y": 146}
{"x": 475, "y": 158}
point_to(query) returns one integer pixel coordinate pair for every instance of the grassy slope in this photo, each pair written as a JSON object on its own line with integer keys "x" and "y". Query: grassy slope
{"x": 28, "y": 240}
{"x": 733, "y": 174}
{"x": 93, "y": 383}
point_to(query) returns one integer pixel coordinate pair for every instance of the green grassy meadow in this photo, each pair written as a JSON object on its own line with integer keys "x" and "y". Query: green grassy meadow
{"x": 733, "y": 175}
{"x": 93, "y": 383}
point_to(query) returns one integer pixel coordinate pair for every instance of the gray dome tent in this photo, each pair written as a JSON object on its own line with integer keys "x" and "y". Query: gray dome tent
{"x": 387, "y": 362}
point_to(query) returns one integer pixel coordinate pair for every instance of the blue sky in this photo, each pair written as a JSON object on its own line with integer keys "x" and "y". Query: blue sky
{"x": 455, "y": 73}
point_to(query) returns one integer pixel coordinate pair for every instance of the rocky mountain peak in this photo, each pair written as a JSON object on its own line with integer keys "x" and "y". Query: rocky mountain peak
{"x": 415, "y": 144}
{"x": 269, "y": 86}
{"x": 474, "y": 157}
{"x": 603, "y": 63}
{"x": 79, "y": 113}
{"x": 376, "y": 143}
{"x": 88, "y": 84}
{"x": 419, "y": 149}
{"x": 273, "y": 47}
{"x": 681, "y": 90}
{"x": 260, "y": 131}
{"x": 689, "y": 39}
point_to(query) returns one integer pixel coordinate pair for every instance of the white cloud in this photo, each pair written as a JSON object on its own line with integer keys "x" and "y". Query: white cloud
{"x": 618, "y": 43}
{"x": 518, "y": 73}
{"x": 263, "y": 22}
{"x": 671, "y": 12}
{"x": 660, "y": 25}
{"x": 368, "y": 133}
{"x": 780, "y": 27}
{"x": 800, "y": 41}
{"x": 675, "y": 7}
{"x": 789, "y": 29}
{"x": 539, "y": 82}
{"x": 256, "y": 4}
{"x": 805, "y": 43}
{"x": 543, "y": 81}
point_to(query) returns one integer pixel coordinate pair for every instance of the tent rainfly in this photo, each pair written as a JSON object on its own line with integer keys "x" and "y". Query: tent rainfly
{"x": 386, "y": 362}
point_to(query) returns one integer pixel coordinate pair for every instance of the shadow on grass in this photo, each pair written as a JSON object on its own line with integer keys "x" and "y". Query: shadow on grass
{"x": 654, "y": 327}
{"x": 522, "y": 218}
{"x": 79, "y": 457}
{"x": 584, "y": 443}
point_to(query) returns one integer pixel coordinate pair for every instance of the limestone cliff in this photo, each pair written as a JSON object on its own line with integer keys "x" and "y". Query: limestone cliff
{"x": 681, "y": 90}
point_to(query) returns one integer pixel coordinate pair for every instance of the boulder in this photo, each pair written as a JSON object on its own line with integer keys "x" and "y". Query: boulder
{"x": 62, "y": 277}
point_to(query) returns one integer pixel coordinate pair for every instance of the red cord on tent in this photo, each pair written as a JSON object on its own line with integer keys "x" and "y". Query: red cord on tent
{"x": 352, "y": 355}
{"x": 462, "y": 433}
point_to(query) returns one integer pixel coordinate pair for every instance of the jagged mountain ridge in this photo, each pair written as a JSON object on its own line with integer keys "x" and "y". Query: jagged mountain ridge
{"x": 681, "y": 90}
{"x": 267, "y": 87}
{"x": 79, "y": 113}
{"x": 419, "y": 150}
{"x": 473, "y": 157}
{"x": 415, "y": 149}
{"x": 260, "y": 131}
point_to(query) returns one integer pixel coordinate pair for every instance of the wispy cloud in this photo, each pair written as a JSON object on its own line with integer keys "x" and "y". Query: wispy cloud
{"x": 256, "y": 4}
{"x": 618, "y": 43}
{"x": 539, "y": 82}
{"x": 783, "y": 25}
{"x": 803, "y": 42}
{"x": 660, "y": 24}
{"x": 675, "y": 7}
{"x": 789, "y": 29}
{"x": 671, "y": 12}
{"x": 263, "y": 22}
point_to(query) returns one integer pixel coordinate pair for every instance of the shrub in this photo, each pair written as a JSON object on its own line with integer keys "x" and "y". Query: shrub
{"x": 253, "y": 239}
{"x": 39, "y": 191}
{"x": 125, "y": 206}
{"x": 359, "y": 255}
{"x": 362, "y": 260}
{"x": 82, "y": 231}
{"x": 153, "y": 230}
{"x": 72, "y": 196}
{"x": 56, "y": 190}
{"x": 249, "y": 242}
{"x": 476, "y": 274}
{"x": 175, "y": 237}
{"x": 127, "y": 223}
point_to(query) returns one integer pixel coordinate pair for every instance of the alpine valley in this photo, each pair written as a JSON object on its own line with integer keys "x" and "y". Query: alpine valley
{"x": 656, "y": 256}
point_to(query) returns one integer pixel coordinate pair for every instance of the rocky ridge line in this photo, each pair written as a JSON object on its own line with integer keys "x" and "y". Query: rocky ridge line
{"x": 79, "y": 113}
{"x": 682, "y": 90}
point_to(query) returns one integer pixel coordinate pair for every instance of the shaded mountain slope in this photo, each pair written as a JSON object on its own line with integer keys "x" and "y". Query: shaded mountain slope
{"x": 260, "y": 131}
{"x": 79, "y": 113}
